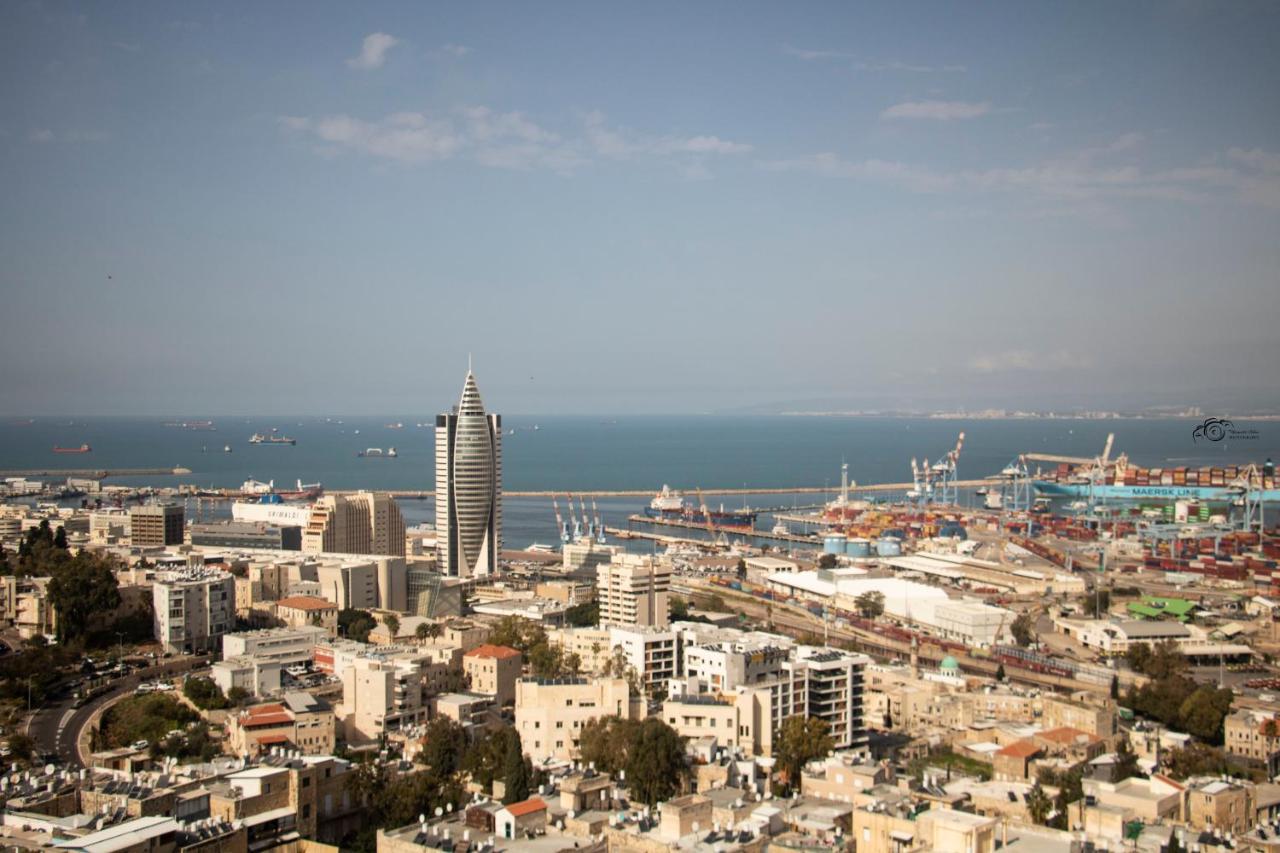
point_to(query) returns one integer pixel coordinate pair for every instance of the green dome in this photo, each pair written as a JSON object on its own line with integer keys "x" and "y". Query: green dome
{"x": 950, "y": 664}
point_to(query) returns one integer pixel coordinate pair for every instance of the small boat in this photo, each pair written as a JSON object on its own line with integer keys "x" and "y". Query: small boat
{"x": 377, "y": 453}
{"x": 781, "y": 529}
{"x": 226, "y": 448}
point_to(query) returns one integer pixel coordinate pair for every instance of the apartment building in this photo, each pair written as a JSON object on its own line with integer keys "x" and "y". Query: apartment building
{"x": 363, "y": 523}
{"x": 381, "y": 695}
{"x": 550, "y": 713}
{"x": 298, "y": 611}
{"x": 300, "y": 722}
{"x": 493, "y": 671}
{"x": 650, "y": 651}
{"x": 632, "y": 590}
{"x": 194, "y": 608}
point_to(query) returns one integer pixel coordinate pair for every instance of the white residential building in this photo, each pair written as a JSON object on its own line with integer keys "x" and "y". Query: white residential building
{"x": 194, "y": 608}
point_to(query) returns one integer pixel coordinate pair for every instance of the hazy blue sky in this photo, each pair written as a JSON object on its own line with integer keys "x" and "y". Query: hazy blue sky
{"x": 312, "y": 207}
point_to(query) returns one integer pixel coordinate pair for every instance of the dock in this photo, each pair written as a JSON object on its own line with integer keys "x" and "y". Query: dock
{"x": 96, "y": 473}
{"x": 727, "y": 531}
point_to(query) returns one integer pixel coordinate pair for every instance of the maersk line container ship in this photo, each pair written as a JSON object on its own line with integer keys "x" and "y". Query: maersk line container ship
{"x": 1122, "y": 482}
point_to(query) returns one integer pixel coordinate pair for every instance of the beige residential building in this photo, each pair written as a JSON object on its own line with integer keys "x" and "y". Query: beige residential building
{"x": 1220, "y": 805}
{"x": 591, "y": 645}
{"x": 843, "y": 778}
{"x": 550, "y": 713}
{"x": 298, "y": 611}
{"x": 1082, "y": 710}
{"x": 493, "y": 671}
{"x": 632, "y": 590}
{"x": 381, "y": 695}
{"x": 1254, "y": 736}
{"x": 742, "y": 719}
{"x": 363, "y": 523}
{"x": 300, "y": 722}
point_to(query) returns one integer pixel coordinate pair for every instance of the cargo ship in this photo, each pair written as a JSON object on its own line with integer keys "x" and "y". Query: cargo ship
{"x": 259, "y": 438}
{"x": 84, "y": 448}
{"x": 1123, "y": 482}
{"x": 669, "y": 504}
{"x": 377, "y": 453}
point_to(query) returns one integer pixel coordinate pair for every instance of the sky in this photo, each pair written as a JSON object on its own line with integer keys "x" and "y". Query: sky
{"x": 662, "y": 207}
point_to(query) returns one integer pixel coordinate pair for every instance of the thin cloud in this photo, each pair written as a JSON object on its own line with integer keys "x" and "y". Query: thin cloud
{"x": 814, "y": 55}
{"x": 498, "y": 140}
{"x": 937, "y": 110}
{"x": 1078, "y": 178}
{"x": 40, "y": 135}
{"x": 458, "y": 50}
{"x": 620, "y": 143}
{"x": 128, "y": 46}
{"x": 373, "y": 52}
{"x": 910, "y": 67}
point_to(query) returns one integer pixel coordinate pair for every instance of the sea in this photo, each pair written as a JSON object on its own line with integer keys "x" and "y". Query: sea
{"x": 582, "y": 453}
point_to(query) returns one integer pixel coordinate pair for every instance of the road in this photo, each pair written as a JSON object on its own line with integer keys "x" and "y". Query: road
{"x": 57, "y": 728}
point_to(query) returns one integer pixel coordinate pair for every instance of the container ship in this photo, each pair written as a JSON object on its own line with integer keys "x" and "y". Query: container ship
{"x": 1130, "y": 483}
{"x": 84, "y": 448}
{"x": 670, "y": 504}
{"x": 259, "y": 438}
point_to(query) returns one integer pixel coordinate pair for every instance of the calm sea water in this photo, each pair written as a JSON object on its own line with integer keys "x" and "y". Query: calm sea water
{"x": 627, "y": 452}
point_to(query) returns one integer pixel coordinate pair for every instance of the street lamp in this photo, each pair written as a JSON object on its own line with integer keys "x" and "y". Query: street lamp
{"x": 120, "y": 645}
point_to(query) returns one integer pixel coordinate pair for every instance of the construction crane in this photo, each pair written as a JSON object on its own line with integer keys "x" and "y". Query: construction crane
{"x": 560, "y": 523}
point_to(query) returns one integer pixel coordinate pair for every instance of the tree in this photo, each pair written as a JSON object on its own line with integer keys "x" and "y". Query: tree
{"x": 1023, "y": 630}
{"x": 584, "y": 615}
{"x": 677, "y": 608}
{"x": 742, "y": 568}
{"x": 1000, "y": 672}
{"x": 1115, "y": 687}
{"x": 392, "y": 622}
{"x": 60, "y": 538}
{"x": 80, "y": 588}
{"x": 1126, "y": 762}
{"x": 1195, "y": 759}
{"x": 1038, "y": 804}
{"x": 827, "y": 561}
{"x": 1096, "y": 603}
{"x": 1138, "y": 656}
{"x": 1203, "y": 712}
{"x": 355, "y": 624}
{"x": 422, "y": 632}
{"x": 607, "y": 742}
{"x": 237, "y": 696}
{"x": 870, "y": 604}
{"x": 486, "y": 758}
{"x": 800, "y": 740}
{"x": 516, "y": 772}
{"x": 444, "y": 744}
{"x": 656, "y": 767}
{"x": 204, "y": 693}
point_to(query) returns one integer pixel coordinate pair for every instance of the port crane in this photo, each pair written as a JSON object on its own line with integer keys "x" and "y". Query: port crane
{"x": 599, "y": 528}
{"x": 1250, "y": 485}
{"x": 944, "y": 471}
{"x": 561, "y": 526}
{"x": 1015, "y": 485}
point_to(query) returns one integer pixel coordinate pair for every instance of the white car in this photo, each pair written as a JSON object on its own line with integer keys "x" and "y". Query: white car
{"x": 141, "y": 744}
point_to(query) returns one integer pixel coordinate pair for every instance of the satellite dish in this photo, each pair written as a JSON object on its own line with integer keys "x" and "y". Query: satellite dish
{"x": 48, "y": 769}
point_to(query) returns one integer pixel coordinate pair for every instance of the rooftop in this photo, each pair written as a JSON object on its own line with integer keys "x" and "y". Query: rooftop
{"x": 489, "y": 650}
{"x": 529, "y": 806}
{"x": 306, "y": 602}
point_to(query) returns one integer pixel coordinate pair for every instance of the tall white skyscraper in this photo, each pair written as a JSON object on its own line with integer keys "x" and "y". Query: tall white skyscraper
{"x": 469, "y": 487}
